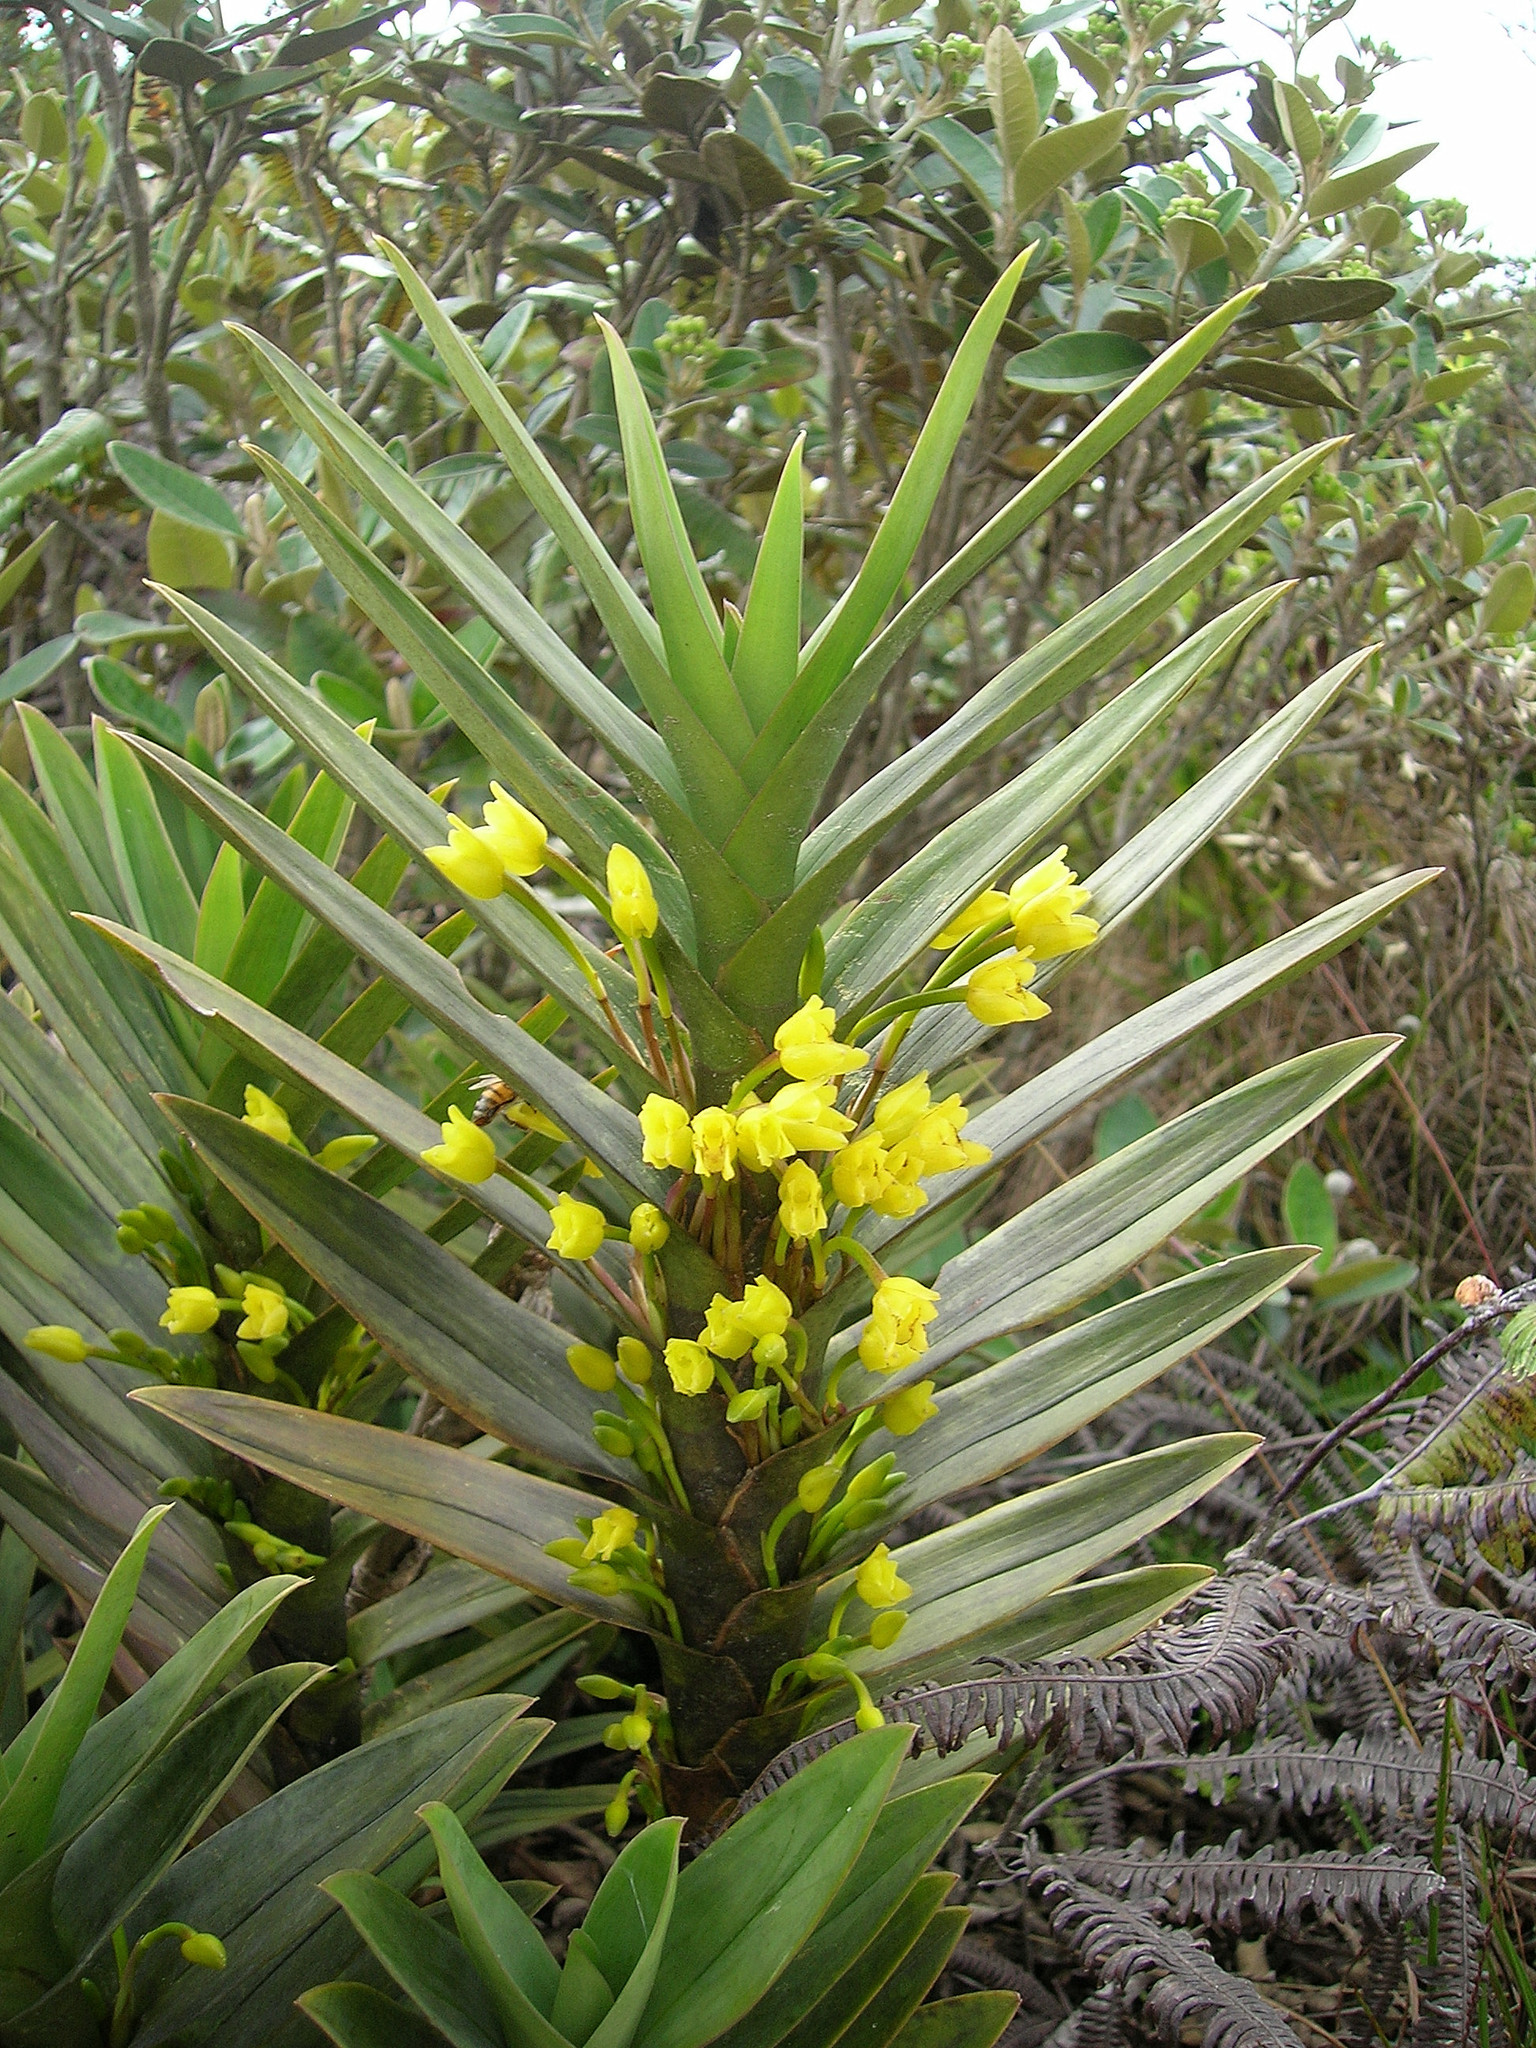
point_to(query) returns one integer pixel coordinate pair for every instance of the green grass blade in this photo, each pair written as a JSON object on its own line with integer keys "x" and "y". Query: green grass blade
{"x": 768, "y": 652}
{"x": 153, "y": 885}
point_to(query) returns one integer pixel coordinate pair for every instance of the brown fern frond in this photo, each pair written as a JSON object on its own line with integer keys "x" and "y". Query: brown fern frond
{"x": 1451, "y": 2011}
{"x": 1214, "y": 1670}
{"x": 1386, "y": 1778}
{"x": 1499, "y": 1517}
{"x": 1213, "y": 1885}
{"x": 1170, "y": 1975}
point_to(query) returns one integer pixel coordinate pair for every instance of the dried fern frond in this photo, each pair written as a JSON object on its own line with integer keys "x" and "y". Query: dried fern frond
{"x": 1384, "y": 1777}
{"x": 1500, "y": 1518}
{"x": 1213, "y": 1885}
{"x": 1170, "y": 1975}
{"x": 1451, "y": 2010}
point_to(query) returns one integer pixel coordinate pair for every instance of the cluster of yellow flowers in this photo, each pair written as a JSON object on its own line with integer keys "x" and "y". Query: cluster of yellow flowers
{"x": 757, "y": 1323}
{"x": 1041, "y": 917}
{"x": 479, "y": 859}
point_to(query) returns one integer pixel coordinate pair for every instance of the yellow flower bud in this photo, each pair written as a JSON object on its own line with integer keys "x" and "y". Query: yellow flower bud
{"x": 817, "y": 1487}
{"x": 861, "y": 1173}
{"x": 515, "y": 836}
{"x": 264, "y": 1115}
{"x": 467, "y": 1152}
{"x": 868, "y": 1718}
{"x": 934, "y": 1144}
{"x": 635, "y": 1361}
{"x": 714, "y": 1143}
{"x": 467, "y": 862}
{"x": 761, "y": 1137}
{"x": 339, "y": 1154}
{"x": 770, "y": 1352}
{"x": 664, "y": 1129}
{"x": 808, "y": 1049}
{"x": 1046, "y": 906}
{"x": 614, "y": 1529}
{"x": 885, "y": 1628}
{"x": 801, "y": 1209}
{"x": 206, "y": 1950}
{"x": 690, "y": 1366}
{"x": 632, "y": 902}
{"x": 58, "y": 1340}
{"x": 636, "y": 1730}
{"x": 616, "y": 1816}
{"x": 904, "y": 1412}
{"x": 189, "y": 1311}
{"x": 648, "y": 1227}
{"x": 990, "y": 904}
{"x": 878, "y": 1583}
{"x": 998, "y": 993}
{"x": 266, "y": 1314}
{"x": 575, "y": 1228}
{"x": 593, "y": 1367}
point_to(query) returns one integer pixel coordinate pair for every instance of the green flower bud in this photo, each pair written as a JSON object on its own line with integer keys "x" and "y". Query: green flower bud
{"x": 770, "y": 1351}
{"x": 817, "y": 1487}
{"x": 635, "y": 1361}
{"x": 598, "y": 1578}
{"x": 597, "y": 1687}
{"x": 594, "y": 1368}
{"x": 618, "y": 1443}
{"x": 870, "y": 1482}
{"x": 616, "y": 1815}
{"x": 57, "y": 1340}
{"x": 206, "y": 1950}
{"x": 566, "y": 1549}
{"x": 886, "y": 1627}
{"x": 636, "y": 1729}
{"x": 748, "y": 1405}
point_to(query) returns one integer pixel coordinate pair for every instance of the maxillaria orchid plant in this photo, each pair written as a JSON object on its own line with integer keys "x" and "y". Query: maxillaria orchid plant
{"x": 736, "y": 1165}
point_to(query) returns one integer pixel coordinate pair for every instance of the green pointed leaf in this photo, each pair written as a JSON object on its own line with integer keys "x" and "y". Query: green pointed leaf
{"x": 1011, "y": 91}
{"x": 1309, "y": 1213}
{"x": 844, "y": 634}
{"x": 1079, "y": 362}
{"x": 1043, "y": 675}
{"x": 167, "y": 487}
{"x": 745, "y": 1906}
{"x": 1133, "y": 875}
{"x": 1088, "y": 1231}
{"x": 893, "y": 924}
{"x": 690, "y": 627}
{"x": 404, "y": 810}
{"x": 1110, "y": 1058}
{"x": 220, "y": 914}
{"x": 768, "y": 652}
{"x": 508, "y": 1952}
{"x": 74, "y": 808}
{"x": 255, "y": 1883}
{"x": 848, "y": 701}
{"x": 148, "y": 871}
{"x": 357, "y": 2016}
{"x": 974, "y": 161}
{"x": 448, "y": 1596}
{"x": 606, "y": 1132}
{"x": 188, "y": 557}
{"x": 633, "y": 631}
{"x": 583, "y": 2000}
{"x": 997, "y": 1418}
{"x": 27, "y": 1809}
{"x": 907, "y": 1836}
{"x": 973, "y": 1580}
{"x": 114, "y": 1752}
{"x": 494, "y": 1515}
{"x": 899, "y": 1993}
{"x": 531, "y": 1654}
{"x": 16, "y": 571}
{"x": 485, "y": 1355}
{"x": 425, "y": 526}
{"x": 271, "y": 926}
{"x": 975, "y": 2019}
{"x": 627, "y": 1924}
{"x": 424, "y": 1959}
{"x": 151, "y": 1820}
{"x": 35, "y": 668}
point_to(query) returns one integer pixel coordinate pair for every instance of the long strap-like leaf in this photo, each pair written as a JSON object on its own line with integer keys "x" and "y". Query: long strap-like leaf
{"x": 607, "y": 1133}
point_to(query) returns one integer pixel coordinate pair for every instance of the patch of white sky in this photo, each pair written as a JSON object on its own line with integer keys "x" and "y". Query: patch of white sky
{"x": 1467, "y": 83}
